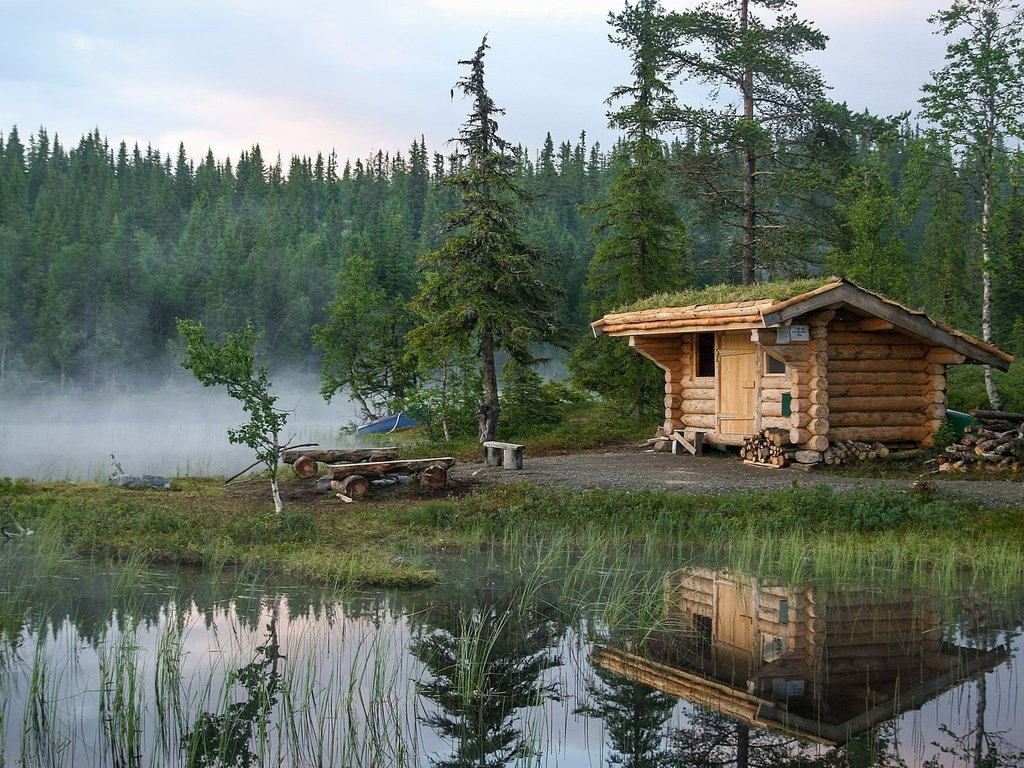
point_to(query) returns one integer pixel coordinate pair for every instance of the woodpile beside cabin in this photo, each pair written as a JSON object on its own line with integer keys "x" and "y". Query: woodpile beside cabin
{"x": 804, "y": 365}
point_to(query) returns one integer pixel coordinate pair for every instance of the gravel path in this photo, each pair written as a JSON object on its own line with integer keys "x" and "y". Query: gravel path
{"x": 631, "y": 470}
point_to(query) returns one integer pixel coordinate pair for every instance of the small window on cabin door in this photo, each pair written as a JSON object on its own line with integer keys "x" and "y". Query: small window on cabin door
{"x": 705, "y": 363}
{"x": 773, "y": 366}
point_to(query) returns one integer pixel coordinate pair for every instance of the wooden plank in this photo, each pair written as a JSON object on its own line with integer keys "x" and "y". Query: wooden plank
{"x": 692, "y": 441}
{"x": 377, "y": 468}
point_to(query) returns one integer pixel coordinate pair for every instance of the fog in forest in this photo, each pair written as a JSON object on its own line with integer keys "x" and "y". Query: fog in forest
{"x": 176, "y": 429}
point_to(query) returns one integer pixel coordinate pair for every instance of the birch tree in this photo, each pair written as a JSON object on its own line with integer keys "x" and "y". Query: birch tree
{"x": 976, "y": 102}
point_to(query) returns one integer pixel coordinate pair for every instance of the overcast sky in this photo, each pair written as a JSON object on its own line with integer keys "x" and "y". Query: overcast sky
{"x": 304, "y": 76}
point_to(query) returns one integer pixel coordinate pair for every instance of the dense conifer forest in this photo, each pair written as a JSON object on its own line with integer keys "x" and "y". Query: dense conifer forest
{"x": 104, "y": 245}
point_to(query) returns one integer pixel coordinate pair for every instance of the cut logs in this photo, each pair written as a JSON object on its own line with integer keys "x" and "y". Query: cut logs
{"x": 432, "y": 477}
{"x": 770, "y": 447}
{"x": 353, "y": 486}
{"x": 995, "y": 442}
{"x": 842, "y": 452}
{"x": 305, "y": 461}
{"x": 353, "y": 480}
{"x": 305, "y": 467}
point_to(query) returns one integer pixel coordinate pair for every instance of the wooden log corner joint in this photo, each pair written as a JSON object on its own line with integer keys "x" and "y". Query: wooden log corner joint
{"x": 505, "y": 455}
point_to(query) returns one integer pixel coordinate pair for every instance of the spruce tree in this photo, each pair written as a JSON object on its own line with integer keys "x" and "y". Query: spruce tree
{"x": 483, "y": 288}
{"x": 639, "y": 235}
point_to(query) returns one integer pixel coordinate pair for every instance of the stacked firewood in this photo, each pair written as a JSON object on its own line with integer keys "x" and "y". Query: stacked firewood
{"x": 995, "y": 442}
{"x": 770, "y": 447}
{"x": 847, "y": 451}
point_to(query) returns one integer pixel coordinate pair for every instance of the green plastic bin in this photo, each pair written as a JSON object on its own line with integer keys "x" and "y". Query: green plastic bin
{"x": 960, "y": 421}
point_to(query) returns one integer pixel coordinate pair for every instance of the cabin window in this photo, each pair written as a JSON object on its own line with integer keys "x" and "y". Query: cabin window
{"x": 705, "y": 354}
{"x": 773, "y": 366}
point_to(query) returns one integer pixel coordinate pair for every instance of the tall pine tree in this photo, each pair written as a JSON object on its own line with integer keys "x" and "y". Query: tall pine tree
{"x": 771, "y": 101}
{"x": 482, "y": 288}
{"x": 640, "y": 237}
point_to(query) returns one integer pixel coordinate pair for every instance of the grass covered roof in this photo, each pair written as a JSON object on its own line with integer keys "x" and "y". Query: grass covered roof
{"x": 723, "y": 294}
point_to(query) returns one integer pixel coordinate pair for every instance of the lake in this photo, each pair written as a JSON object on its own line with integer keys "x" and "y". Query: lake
{"x": 177, "y": 431}
{"x": 528, "y": 656}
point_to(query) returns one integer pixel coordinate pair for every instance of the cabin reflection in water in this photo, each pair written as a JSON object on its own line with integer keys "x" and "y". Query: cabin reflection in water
{"x": 825, "y": 665}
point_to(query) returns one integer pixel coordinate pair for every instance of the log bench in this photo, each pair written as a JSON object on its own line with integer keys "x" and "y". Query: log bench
{"x": 507, "y": 455}
{"x": 305, "y": 460}
{"x": 353, "y": 480}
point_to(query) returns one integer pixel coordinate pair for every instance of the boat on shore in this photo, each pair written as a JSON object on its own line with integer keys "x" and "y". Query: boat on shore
{"x": 390, "y": 423}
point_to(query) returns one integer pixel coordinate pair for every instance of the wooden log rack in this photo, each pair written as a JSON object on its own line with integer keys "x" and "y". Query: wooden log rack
{"x": 507, "y": 455}
{"x": 353, "y": 480}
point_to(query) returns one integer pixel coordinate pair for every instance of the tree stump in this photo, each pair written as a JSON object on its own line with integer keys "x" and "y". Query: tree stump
{"x": 353, "y": 486}
{"x": 433, "y": 477}
{"x": 305, "y": 467}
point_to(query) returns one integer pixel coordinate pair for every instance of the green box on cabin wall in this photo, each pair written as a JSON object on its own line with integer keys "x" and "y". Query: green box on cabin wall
{"x": 787, "y": 404}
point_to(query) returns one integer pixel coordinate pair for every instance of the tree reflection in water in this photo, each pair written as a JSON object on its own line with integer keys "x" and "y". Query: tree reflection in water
{"x": 634, "y": 716}
{"x": 486, "y": 664}
{"x": 226, "y": 739}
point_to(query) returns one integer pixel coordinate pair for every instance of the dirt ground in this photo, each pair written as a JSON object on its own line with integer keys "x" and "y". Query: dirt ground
{"x": 634, "y": 469}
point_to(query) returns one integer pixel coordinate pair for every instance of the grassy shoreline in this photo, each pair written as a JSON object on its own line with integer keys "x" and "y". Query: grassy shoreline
{"x": 403, "y": 540}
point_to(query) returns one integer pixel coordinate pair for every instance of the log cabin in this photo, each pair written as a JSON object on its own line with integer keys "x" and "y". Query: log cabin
{"x": 822, "y": 664}
{"x": 822, "y": 359}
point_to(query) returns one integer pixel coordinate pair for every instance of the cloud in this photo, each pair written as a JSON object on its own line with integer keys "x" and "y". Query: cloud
{"x": 505, "y": 9}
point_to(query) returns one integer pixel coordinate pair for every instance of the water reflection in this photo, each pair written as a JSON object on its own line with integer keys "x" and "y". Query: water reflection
{"x": 132, "y": 666}
{"x": 822, "y": 665}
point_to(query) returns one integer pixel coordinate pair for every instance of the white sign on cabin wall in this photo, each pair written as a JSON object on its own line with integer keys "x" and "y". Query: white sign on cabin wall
{"x": 790, "y": 333}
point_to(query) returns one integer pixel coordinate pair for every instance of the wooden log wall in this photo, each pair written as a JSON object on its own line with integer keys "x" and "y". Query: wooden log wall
{"x": 693, "y": 592}
{"x": 884, "y": 386}
{"x": 855, "y": 380}
{"x": 892, "y": 636}
{"x": 669, "y": 354}
{"x": 697, "y": 407}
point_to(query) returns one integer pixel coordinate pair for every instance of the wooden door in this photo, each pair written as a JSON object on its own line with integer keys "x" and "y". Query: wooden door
{"x": 734, "y": 620}
{"x": 736, "y": 383}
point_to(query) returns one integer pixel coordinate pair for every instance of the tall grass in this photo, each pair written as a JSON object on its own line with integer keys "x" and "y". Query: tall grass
{"x": 121, "y": 703}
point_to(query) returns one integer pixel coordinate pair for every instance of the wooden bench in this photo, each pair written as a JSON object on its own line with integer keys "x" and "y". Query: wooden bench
{"x": 507, "y": 455}
{"x": 353, "y": 480}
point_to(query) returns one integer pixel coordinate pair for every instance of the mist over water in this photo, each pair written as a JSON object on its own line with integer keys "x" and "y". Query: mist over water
{"x": 175, "y": 430}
